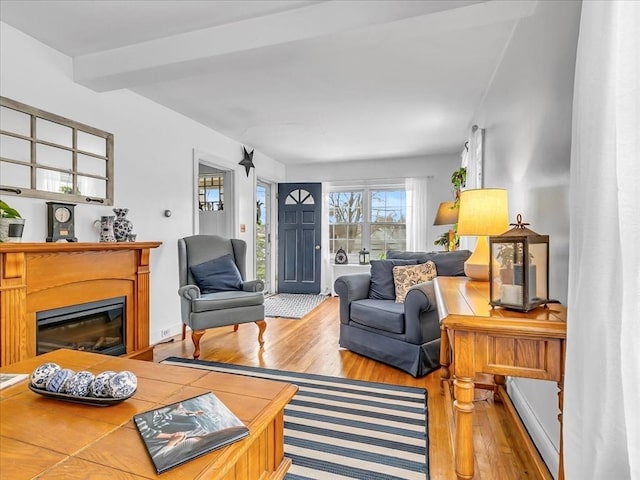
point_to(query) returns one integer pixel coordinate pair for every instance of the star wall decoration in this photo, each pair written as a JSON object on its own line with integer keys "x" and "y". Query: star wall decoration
{"x": 247, "y": 161}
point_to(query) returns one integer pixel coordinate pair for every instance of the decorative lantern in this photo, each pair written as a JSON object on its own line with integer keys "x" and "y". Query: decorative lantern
{"x": 364, "y": 256}
{"x": 519, "y": 268}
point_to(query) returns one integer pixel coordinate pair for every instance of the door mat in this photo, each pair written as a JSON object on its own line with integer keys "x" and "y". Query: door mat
{"x": 291, "y": 305}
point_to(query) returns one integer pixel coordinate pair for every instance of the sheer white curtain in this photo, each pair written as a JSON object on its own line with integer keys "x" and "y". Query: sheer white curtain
{"x": 473, "y": 160}
{"x": 417, "y": 221}
{"x": 602, "y": 380}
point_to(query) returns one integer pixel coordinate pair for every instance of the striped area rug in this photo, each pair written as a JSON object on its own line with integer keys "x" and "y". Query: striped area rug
{"x": 337, "y": 428}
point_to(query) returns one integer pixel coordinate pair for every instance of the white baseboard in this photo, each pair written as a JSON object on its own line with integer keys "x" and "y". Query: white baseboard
{"x": 538, "y": 434}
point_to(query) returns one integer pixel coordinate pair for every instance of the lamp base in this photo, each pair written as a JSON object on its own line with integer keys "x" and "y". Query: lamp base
{"x": 479, "y": 273}
{"x": 477, "y": 265}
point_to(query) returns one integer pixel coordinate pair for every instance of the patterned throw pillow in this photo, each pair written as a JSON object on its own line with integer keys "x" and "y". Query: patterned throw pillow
{"x": 406, "y": 277}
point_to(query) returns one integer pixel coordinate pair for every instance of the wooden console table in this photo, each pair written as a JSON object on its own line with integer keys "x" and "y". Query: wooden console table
{"x": 41, "y": 276}
{"x": 478, "y": 339}
{"x": 52, "y": 439}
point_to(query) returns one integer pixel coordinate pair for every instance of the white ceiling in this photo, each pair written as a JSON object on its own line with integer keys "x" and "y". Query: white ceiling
{"x": 298, "y": 80}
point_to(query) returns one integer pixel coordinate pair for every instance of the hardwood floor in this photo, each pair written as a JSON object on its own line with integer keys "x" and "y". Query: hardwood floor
{"x": 311, "y": 345}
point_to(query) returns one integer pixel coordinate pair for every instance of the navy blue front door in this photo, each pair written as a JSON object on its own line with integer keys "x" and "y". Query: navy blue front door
{"x": 299, "y": 226}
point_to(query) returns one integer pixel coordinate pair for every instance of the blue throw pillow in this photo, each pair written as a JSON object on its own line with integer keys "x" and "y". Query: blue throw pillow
{"x": 217, "y": 275}
{"x": 382, "y": 286}
{"x": 448, "y": 264}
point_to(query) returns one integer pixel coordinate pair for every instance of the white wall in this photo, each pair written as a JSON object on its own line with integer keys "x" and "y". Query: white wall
{"x": 527, "y": 117}
{"x": 153, "y": 151}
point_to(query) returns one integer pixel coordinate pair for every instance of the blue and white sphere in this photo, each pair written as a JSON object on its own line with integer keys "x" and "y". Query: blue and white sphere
{"x": 59, "y": 381}
{"x": 123, "y": 384}
{"x": 42, "y": 374}
{"x": 80, "y": 383}
{"x": 100, "y": 385}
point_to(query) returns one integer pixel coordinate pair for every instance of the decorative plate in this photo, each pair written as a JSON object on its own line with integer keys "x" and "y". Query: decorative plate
{"x": 96, "y": 402}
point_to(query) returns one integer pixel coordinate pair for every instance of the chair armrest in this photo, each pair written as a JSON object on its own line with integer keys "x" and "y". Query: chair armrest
{"x": 354, "y": 286}
{"x": 351, "y": 287}
{"x": 189, "y": 292}
{"x": 253, "y": 286}
{"x": 420, "y": 300}
{"x": 428, "y": 291}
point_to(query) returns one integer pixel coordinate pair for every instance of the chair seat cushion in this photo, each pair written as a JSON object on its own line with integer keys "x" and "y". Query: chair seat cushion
{"x": 224, "y": 300}
{"x": 217, "y": 275}
{"x": 386, "y": 315}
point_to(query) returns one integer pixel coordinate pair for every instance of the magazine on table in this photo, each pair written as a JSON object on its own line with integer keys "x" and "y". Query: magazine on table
{"x": 8, "y": 379}
{"x": 184, "y": 430}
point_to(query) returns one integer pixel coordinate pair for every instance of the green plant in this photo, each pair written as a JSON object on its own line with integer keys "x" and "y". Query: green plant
{"x": 508, "y": 255}
{"x": 69, "y": 190}
{"x": 458, "y": 180}
{"x": 443, "y": 240}
{"x": 7, "y": 212}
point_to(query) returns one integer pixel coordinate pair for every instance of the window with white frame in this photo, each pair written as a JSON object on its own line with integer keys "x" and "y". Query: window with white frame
{"x": 369, "y": 217}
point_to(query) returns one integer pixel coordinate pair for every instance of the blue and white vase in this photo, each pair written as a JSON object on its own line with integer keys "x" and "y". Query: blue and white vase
{"x": 106, "y": 228}
{"x": 122, "y": 226}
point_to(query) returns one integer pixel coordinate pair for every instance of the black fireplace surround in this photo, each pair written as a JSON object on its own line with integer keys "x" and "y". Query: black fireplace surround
{"x": 98, "y": 327}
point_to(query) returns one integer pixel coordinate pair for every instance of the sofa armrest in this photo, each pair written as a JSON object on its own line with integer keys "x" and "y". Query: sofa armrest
{"x": 349, "y": 288}
{"x": 420, "y": 300}
{"x": 253, "y": 286}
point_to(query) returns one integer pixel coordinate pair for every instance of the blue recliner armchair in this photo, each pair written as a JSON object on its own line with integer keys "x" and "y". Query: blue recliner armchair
{"x": 404, "y": 335}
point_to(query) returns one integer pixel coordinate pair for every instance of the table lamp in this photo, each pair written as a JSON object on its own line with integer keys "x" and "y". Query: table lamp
{"x": 482, "y": 212}
{"x": 447, "y": 215}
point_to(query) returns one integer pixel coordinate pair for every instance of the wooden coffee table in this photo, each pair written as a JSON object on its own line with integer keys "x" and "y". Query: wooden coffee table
{"x": 53, "y": 439}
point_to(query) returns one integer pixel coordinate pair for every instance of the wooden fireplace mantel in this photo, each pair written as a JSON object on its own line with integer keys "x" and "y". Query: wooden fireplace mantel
{"x": 41, "y": 276}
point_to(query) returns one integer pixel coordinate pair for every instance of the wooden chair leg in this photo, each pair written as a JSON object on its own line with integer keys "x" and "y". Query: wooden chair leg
{"x": 262, "y": 326}
{"x": 235, "y": 327}
{"x": 196, "y": 335}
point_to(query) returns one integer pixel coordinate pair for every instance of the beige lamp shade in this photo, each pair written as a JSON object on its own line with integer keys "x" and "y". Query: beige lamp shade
{"x": 482, "y": 212}
{"x": 447, "y": 214}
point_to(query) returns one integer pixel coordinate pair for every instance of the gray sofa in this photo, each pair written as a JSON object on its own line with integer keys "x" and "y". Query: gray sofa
{"x": 404, "y": 335}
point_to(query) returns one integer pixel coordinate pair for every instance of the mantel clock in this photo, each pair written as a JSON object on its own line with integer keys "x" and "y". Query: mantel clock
{"x": 60, "y": 222}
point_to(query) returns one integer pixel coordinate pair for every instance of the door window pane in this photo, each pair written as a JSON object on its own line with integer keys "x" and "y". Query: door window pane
{"x": 211, "y": 192}
{"x": 299, "y": 196}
